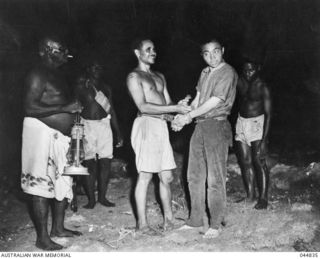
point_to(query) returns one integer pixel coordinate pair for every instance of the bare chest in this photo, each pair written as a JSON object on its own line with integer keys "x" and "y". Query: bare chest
{"x": 252, "y": 92}
{"x": 56, "y": 90}
{"x": 152, "y": 84}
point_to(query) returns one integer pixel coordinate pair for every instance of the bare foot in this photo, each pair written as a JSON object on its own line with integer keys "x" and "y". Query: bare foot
{"x": 211, "y": 233}
{"x": 74, "y": 205}
{"x": 261, "y": 205}
{"x": 187, "y": 227}
{"x": 65, "y": 233}
{"x": 148, "y": 231}
{"x": 167, "y": 226}
{"x": 106, "y": 203}
{"x": 48, "y": 245}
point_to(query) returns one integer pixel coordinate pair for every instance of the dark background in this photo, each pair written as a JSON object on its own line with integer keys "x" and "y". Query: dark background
{"x": 283, "y": 35}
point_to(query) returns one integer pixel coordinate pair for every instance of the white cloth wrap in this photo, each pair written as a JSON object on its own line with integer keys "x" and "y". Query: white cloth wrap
{"x": 44, "y": 158}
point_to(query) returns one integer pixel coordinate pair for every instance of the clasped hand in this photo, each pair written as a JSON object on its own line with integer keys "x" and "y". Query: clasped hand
{"x": 180, "y": 121}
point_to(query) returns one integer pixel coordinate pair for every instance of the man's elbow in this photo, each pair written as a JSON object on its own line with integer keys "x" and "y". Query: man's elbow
{"x": 142, "y": 108}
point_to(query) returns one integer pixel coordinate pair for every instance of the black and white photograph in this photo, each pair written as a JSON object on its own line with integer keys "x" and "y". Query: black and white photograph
{"x": 159, "y": 126}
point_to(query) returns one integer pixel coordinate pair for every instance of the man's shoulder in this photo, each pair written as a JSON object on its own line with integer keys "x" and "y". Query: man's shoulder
{"x": 228, "y": 69}
{"x": 260, "y": 82}
{"x": 134, "y": 75}
{"x": 37, "y": 72}
{"x": 137, "y": 75}
{"x": 158, "y": 73}
{"x": 242, "y": 82}
{"x": 205, "y": 70}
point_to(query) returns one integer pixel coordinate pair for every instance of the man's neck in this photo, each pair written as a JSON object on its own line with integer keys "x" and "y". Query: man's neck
{"x": 95, "y": 80}
{"x": 144, "y": 67}
{"x": 217, "y": 67}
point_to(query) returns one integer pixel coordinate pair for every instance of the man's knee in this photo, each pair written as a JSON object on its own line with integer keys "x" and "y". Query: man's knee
{"x": 247, "y": 162}
{"x": 166, "y": 177}
{"x": 145, "y": 177}
{"x": 258, "y": 159}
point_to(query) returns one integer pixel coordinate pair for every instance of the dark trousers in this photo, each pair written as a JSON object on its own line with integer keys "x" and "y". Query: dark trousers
{"x": 208, "y": 164}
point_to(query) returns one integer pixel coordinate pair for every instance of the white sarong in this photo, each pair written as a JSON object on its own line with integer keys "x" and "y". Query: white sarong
{"x": 43, "y": 160}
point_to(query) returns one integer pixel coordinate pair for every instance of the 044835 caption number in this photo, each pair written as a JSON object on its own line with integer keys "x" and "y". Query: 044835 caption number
{"x": 309, "y": 255}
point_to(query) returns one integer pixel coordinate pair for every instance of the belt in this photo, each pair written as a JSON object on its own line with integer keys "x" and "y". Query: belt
{"x": 220, "y": 118}
{"x": 166, "y": 117}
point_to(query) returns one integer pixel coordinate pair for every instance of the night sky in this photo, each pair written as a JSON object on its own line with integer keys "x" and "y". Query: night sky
{"x": 283, "y": 35}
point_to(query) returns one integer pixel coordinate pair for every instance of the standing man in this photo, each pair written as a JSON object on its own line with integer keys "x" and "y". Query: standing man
{"x": 98, "y": 116}
{"x": 49, "y": 117}
{"x": 252, "y": 130}
{"x": 216, "y": 90}
{"x": 149, "y": 136}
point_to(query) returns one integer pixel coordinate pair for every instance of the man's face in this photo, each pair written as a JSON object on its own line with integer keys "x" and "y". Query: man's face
{"x": 250, "y": 71}
{"x": 95, "y": 70}
{"x": 57, "y": 52}
{"x": 147, "y": 53}
{"x": 212, "y": 54}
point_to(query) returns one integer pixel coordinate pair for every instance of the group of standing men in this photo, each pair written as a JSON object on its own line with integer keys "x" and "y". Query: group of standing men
{"x": 50, "y": 112}
{"x": 210, "y": 141}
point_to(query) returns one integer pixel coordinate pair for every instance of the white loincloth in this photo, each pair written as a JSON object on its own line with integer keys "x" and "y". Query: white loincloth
{"x": 150, "y": 142}
{"x": 98, "y": 138}
{"x": 249, "y": 129}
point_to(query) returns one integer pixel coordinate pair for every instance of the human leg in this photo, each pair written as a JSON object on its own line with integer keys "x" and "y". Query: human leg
{"x": 246, "y": 166}
{"x": 103, "y": 180}
{"x": 74, "y": 201}
{"x": 40, "y": 210}
{"x": 89, "y": 183}
{"x": 165, "y": 195}
{"x": 262, "y": 175}
{"x": 58, "y": 214}
{"x": 141, "y": 198}
{"x": 217, "y": 170}
{"x": 196, "y": 176}
{"x": 217, "y": 137}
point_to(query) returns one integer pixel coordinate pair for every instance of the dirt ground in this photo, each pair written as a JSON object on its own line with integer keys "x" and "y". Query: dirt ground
{"x": 291, "y": 222}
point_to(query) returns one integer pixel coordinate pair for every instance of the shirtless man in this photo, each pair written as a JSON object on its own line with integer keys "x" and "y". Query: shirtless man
{"x": 49, "y": 116}
{"x": 98, "y": 112}
{"x": 149, "y": 136}
{"x": 252, "y": 130}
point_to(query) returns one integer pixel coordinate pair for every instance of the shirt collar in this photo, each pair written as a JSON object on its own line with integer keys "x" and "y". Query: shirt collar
{"x": 209, "y": 69}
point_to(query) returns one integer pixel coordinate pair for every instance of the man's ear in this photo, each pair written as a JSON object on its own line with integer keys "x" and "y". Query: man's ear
{"x": 222, "y": 50}
{"x": 137, "y": 53}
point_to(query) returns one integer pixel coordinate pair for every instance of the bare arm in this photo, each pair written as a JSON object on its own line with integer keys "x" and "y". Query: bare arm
{"x": 267, "y": 109}
{"x": 33, "y": 105}
{"x": 137, "y": 94}
{"x": 165, "y": 92}
{"x": 114, "y": 120}
{"x": 205, "y": 107}
{"x": 195, "y": 101}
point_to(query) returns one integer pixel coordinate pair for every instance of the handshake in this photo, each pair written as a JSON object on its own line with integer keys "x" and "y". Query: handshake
{"x": 183, "y": 119}
{"x": 180, "y": 121}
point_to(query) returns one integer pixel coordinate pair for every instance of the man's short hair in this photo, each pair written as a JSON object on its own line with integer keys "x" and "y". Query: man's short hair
{"x": 252, "y": 60}
{"x": 213, "y": 40}
{"x": 137, "y": 43}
